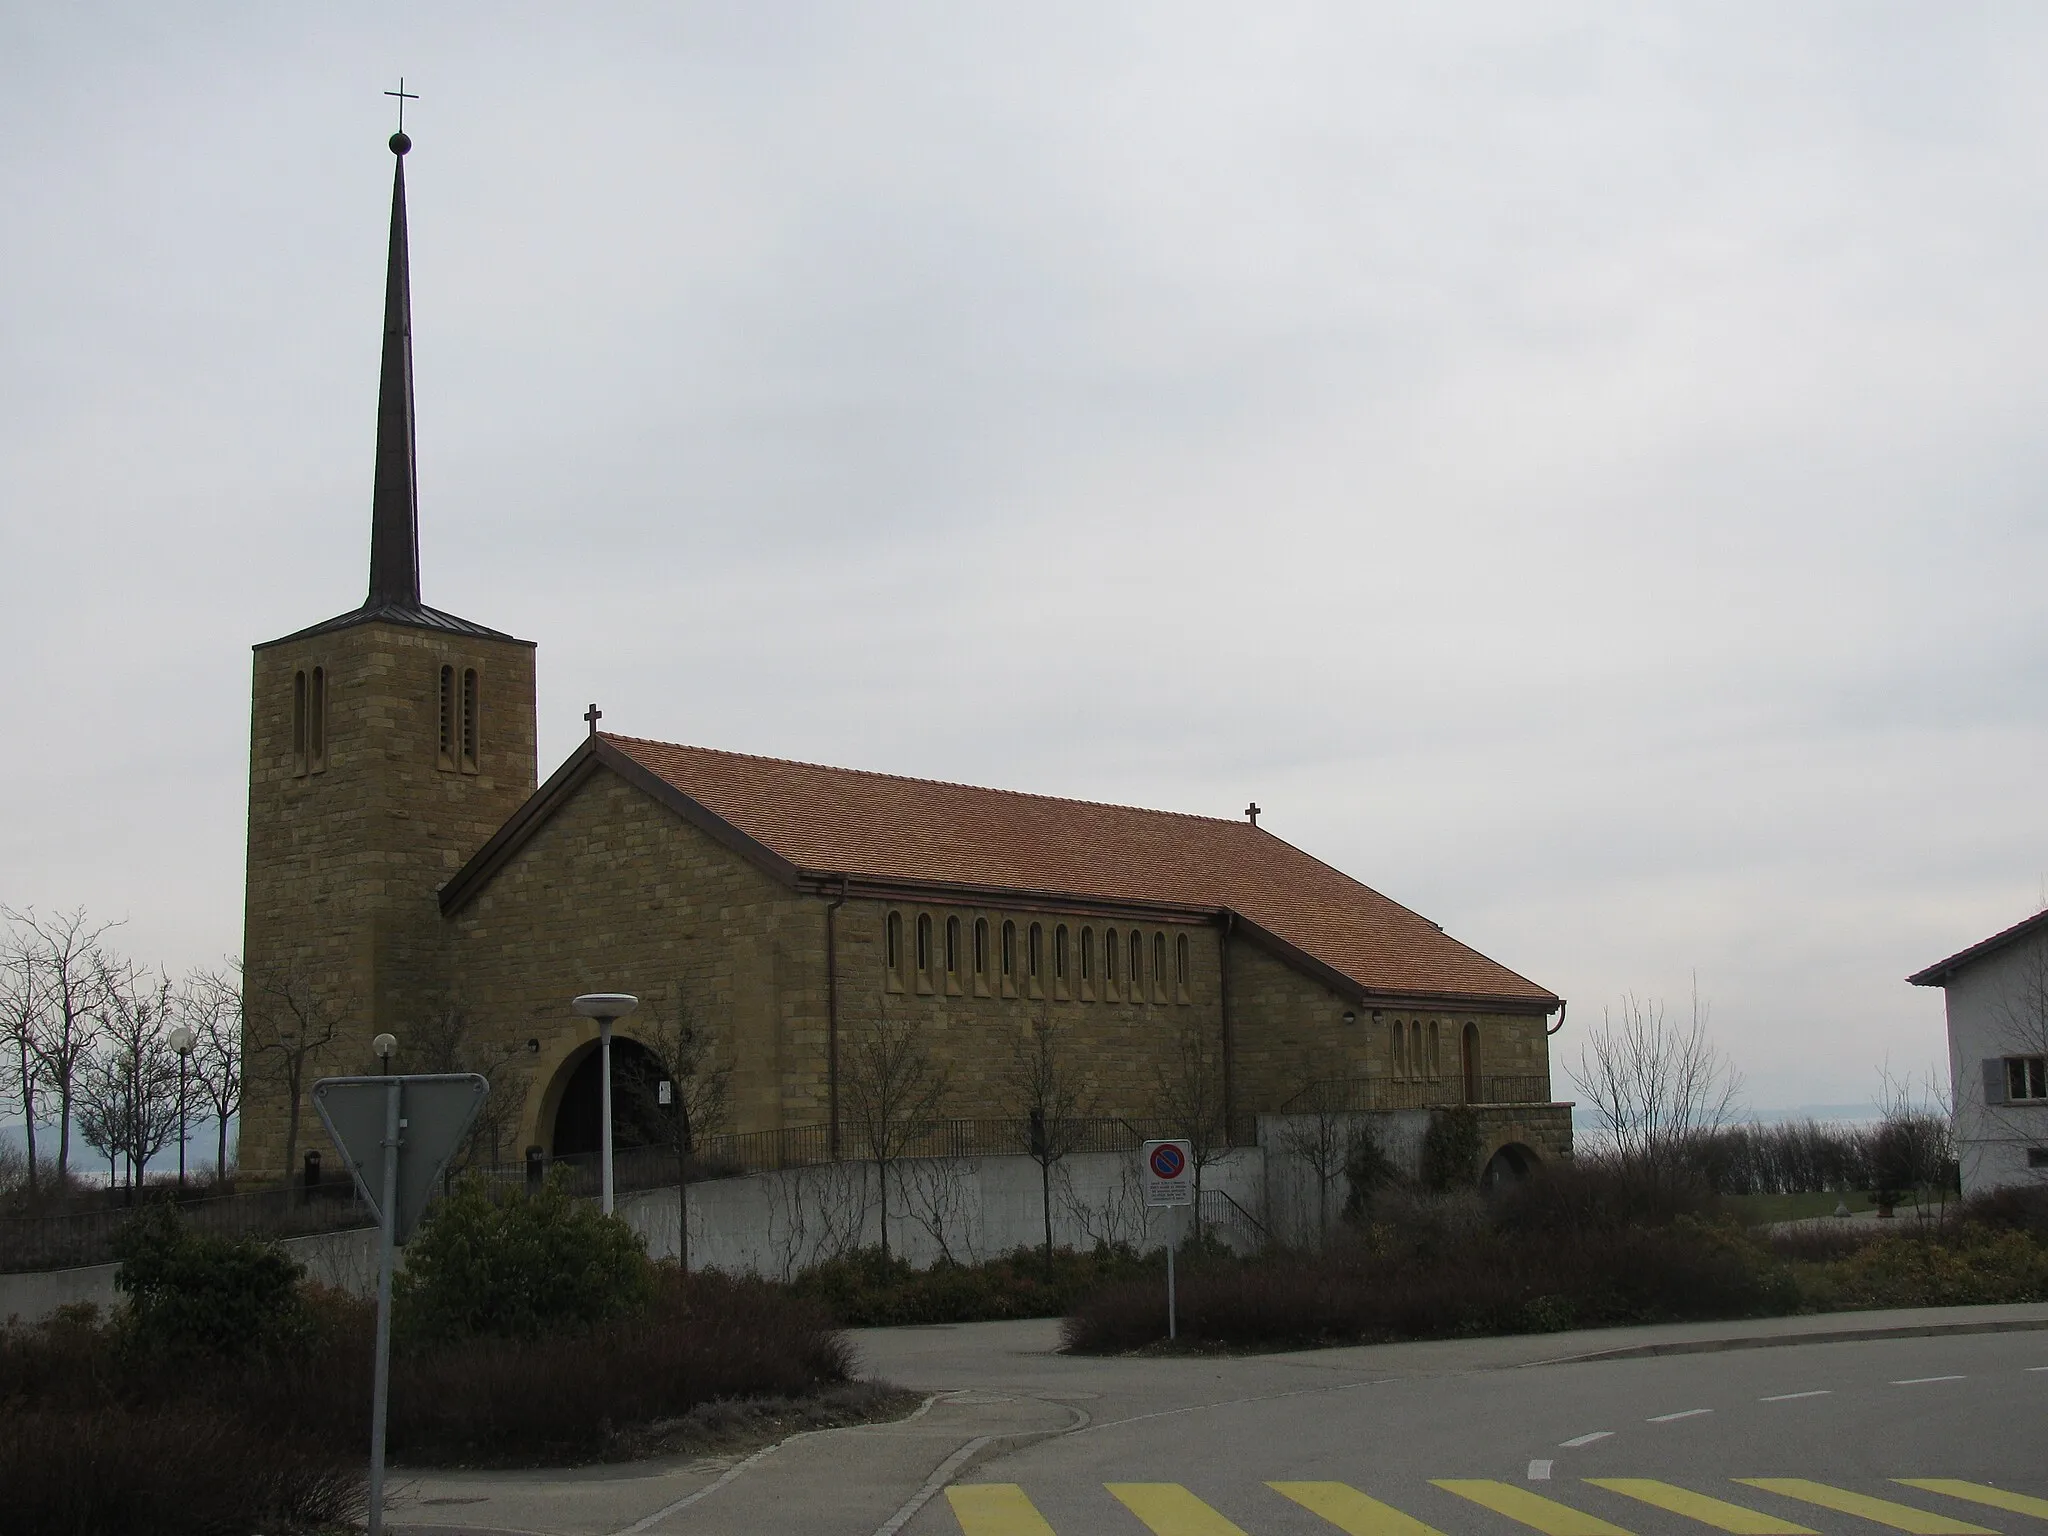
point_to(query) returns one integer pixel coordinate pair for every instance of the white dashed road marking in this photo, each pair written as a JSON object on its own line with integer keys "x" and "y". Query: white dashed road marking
{"x": 1917, "y": 1381}
{"x": 1539, "y": 1471}
{"x": 1789, "y": 1397}
{"x": 1666, "y": 1418}
{"x": 1579, "y": 1440}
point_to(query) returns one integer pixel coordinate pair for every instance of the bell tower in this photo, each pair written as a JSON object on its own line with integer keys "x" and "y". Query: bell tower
{"x": 386, "y": 745}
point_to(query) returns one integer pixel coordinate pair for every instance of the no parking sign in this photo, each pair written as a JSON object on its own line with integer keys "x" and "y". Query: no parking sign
{"x": 1168, "y": 1169}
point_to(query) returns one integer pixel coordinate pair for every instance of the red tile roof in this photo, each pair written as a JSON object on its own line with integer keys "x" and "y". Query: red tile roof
{"x": 874, "y": 826}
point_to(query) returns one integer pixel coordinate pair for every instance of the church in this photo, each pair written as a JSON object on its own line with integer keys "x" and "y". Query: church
{"x": 405, "y": 859}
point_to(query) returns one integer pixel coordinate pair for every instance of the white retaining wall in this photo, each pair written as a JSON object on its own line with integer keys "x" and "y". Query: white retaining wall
{"x": 775, "y": 1224}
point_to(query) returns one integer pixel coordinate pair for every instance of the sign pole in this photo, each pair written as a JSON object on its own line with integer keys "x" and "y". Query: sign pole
{"x": 1167, "y": 1171}
{"x": 380, "y": 1390}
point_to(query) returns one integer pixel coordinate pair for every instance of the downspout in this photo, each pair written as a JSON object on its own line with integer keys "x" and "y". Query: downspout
{"x": 1562, "y": 1006}
{"x": 832, "y": 1019}
{"x": 1229, "y": 1045}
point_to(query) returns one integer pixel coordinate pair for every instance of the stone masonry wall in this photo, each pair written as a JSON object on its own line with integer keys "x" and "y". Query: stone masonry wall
{"x": 345, "y": 856}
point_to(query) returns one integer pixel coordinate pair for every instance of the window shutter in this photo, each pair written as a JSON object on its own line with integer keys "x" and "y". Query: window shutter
{"x": 1994, "y": 1080}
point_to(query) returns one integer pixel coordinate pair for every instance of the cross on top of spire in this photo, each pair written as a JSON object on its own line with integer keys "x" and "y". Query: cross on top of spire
{"x": 403, "y": 96}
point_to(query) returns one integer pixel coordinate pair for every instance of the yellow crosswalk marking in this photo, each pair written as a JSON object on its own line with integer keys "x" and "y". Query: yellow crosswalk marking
{"x": 1980, "y": 1493}
{"x": 1170, "y": 1510}
{"x": 1718, "y": 1513}
{"x": 1900, "y": 1517}
{"x": 995, "y": 1509}
{"x": 1351, "y": 1511}
{"x": 1545, "y": 1515}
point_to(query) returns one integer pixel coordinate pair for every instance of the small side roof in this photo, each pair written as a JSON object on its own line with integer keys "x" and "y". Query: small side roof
{"x": 809, "y": 823}
{"x": 1937, "y": 974}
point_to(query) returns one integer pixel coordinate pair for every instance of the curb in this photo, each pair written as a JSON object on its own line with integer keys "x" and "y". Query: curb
{"x": 1780, "y": 1340}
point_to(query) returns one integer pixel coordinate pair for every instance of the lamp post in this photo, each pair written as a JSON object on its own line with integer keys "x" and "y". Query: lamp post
{"x": 181, "y": 1042}
{"x": 385, "y": 1046}
{"x": 605, "y": 1007}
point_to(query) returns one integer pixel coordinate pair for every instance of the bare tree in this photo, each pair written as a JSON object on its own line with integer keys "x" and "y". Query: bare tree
{"x": 891, "y": 1090}
{"x": 1048, "y": 1083}
{"x": 20, "y": 1039}
{"x": 71, "y": 966}
{"x": 1188, "y": 1096}
{"x": 680, "y": 1093}
{"x": 209, "y": 1004}
{"x": 137, "y": 1065}
{"x": 446, "y": 1039}
{"x": 288, "y": 1022}
{"x": 1657, "y": 1085}
{"x": 1321, "y": 1135}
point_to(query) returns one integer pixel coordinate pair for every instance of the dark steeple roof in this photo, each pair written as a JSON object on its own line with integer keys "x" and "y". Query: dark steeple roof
{"x": 394, "y": 504}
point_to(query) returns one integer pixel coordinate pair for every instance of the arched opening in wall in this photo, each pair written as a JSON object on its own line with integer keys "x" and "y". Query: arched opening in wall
{"x": 470, "y": 728}
{"x": 1468, "y": 1062}
{"x": 579, "y": 1110}
{"x": 316, "y": 722}
{"x": 298, "y": 722}
{"x": 446, "y": 755}
{"x": 1510, "y": 1165}
{"x": 924, "y": 944}
{"x": 953, "y": 949}
{"x": 892, "y": 947}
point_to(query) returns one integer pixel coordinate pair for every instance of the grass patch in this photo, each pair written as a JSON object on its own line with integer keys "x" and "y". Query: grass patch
{"x": 1763, "y": 1210}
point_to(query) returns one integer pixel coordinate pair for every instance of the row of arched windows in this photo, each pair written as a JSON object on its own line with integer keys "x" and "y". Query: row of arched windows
{"x": 309, "y": 721}
{"x": 1419, "y": 1050}
{"x": 458, "y": 720}
{"x": 1031, "y": 959}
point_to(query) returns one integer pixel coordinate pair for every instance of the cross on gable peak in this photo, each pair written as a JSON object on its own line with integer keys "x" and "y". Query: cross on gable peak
{"x": 591, "y": 716}
{"x": 1251, "y": 813}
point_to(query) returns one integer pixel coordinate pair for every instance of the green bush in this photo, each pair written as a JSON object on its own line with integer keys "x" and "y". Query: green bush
{"x": 1971, "y": 1265}
{"x": 864, "y": 1290}
{"x": 518, "y": 1266}
{"x": 188, "y": 1292}
{"x": 1367, "y": 1171}
{"x": 1450, "y": 1149}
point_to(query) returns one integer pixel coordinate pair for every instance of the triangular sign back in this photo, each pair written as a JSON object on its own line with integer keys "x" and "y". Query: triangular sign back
{"x": 435, "y": 1111}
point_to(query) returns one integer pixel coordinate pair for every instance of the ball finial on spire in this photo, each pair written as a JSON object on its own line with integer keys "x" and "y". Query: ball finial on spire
{"x": 400, "y": 143}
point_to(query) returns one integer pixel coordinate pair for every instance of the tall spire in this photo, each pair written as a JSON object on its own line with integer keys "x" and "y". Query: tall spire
{"x": 394, "y": 507}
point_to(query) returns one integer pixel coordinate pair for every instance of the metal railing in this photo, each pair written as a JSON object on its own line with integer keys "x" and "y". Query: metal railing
{"x": 1364, "y": 1094}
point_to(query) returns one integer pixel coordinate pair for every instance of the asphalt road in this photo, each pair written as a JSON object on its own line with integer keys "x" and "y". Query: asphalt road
{"x": 1643, "y": 1446}
{"x": 1471, "y": 1437}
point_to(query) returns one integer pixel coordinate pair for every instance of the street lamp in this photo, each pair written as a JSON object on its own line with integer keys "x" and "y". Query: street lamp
{"x": 181, "y": 1042}
{"x": 605, "y": 1007}
{"x": 385, "y": 1046}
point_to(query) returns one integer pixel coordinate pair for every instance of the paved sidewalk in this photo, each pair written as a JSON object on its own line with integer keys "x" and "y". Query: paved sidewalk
{"x": 998, "y": 1387}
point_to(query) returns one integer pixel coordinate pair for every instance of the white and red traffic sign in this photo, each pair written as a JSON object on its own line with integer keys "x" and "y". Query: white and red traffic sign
{"x": 1168, "y": 1171}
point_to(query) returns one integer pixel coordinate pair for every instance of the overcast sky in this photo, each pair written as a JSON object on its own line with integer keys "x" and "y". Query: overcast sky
{"x": 1580, "y": 468}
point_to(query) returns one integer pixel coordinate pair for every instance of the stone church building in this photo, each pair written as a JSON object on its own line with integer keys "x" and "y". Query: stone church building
{"x": 403, "y": 859}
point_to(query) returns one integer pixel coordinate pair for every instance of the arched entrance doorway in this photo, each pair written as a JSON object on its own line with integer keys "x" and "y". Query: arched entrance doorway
{"x": 579, "y": 1113}
{"x": 1510, "y": 1165}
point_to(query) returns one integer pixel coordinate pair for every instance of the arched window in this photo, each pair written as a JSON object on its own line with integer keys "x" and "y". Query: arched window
{"x": 1059, "y": 954}
{"x": 1415, "y": 1046}
{"x": 316, "y": 722}
{"x": 1468, "y": 1062}
{"x": 1400, "y": 1049}
{"x": 1137, "y": 966}
{"x": 298, "y": 722}
{"x": 469, "y": 720}
{"x": 1110, "y": 962}
{"x": 1009, "y": 951}
{"x": 1436, "y": 1050}
{"x": 953, "y": 947}
{"x": 1180, "y": 963}
{"x": 448, "y": 730}
{"x": 1087, "y": 956}
{"x": 1159, "y": 964}
{"x": 1037, "y": 954}
{"x": 892, "y": 945}
{"x": 924, "y": 944}
{"x": 981, "y": 946}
